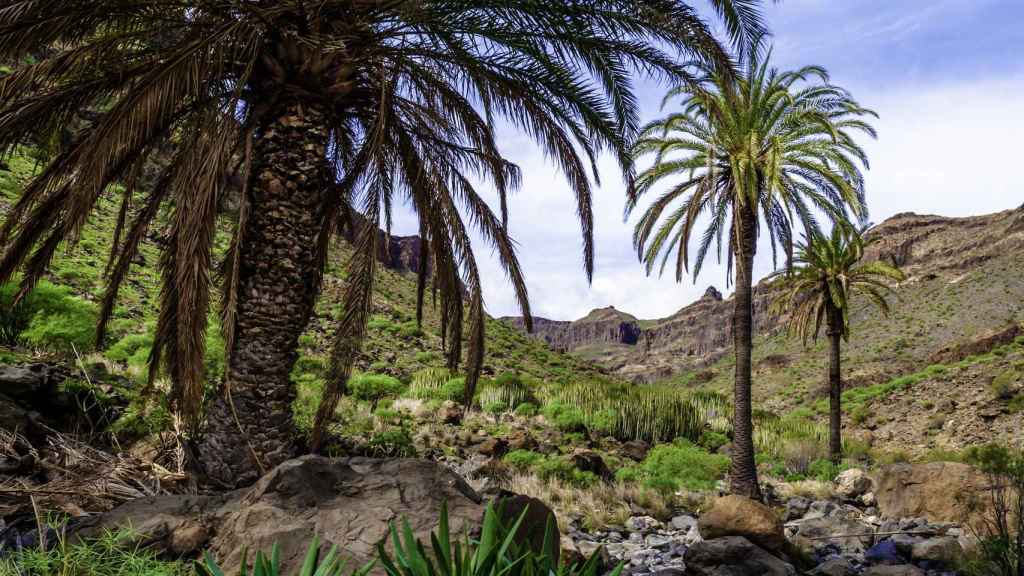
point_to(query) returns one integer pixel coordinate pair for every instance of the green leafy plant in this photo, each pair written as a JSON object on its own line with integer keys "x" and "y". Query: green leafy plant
{"x": 314, "y": 564}
{"x": 112, "y": 554}
{"x": 669, "y": 467}
{"x": 49, "y": 316}
{"x": 495, "y": 553}
{"x": 373, "y": 388}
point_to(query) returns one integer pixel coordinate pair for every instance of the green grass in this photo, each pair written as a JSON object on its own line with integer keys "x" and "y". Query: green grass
{"x": 680, "y": 465}
{"x": 114, "y": 554}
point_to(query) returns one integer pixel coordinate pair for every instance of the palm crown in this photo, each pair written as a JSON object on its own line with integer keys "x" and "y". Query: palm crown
{"x": 827, "y": 272}
{"x": 777, "y": 143}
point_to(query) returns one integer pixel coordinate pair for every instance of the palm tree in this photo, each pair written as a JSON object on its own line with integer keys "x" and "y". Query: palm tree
{"x": 762, "y": 151}
{"x": 321, "y": 113}
{"x": 827, "y": 272}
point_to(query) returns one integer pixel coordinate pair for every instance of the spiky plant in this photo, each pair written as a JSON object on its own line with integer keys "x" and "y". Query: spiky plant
{"x": 827, "y": 272}
{"x": 758, "y": 152}
{"x": 322, "y": 113}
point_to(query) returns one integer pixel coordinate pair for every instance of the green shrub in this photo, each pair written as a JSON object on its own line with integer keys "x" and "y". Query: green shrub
{"x": 712, "y": 441}
{"x": 409, "y": 329}
{"x": 526, "y": 410}
{"x": 114, "y": 554}
{"x": 522, "y": 460}
{"x": 603, "y": 421}
{"x": 1003, "y": 384}
{"x": 314, "y": 563}
{"x": 48, "y": 317}
{"x": 392, "y": 443}
{"x": 682, "y": 465}
{"x": 564, "y": 417}
{"x": 496, "y": 552}
{"x": 627, "y": 475}
{"x": 373, "y": 388}
{"x": 824, "y": 470}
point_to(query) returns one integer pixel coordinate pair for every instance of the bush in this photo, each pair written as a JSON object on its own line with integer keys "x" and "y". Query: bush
{"x": 603, "y": 421}
{"x": 712, "y": 441}
{"x": 114, "y": 554}
{"x": 48, "y": 317}
{"x": 1000, "y": 550}
{"x": 392, "y": 443}
{"x": 314, "y": 564}
{"x": 373, "y": 388}
{"x": 564, "y": 417}
{"x": 682, "y": 465}
{"x": 526, "y": 410}
{"x": 522, "y": 460}
{"x": 1003, "y": 385}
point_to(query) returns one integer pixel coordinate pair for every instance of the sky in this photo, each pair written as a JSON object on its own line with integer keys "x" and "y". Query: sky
{"x": 945, "y": 76}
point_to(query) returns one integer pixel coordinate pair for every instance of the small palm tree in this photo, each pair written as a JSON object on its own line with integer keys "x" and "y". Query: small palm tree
{"x": 744, "y": 155}
{"x": 827, "y": 272}
{"x": 318, "y": 115}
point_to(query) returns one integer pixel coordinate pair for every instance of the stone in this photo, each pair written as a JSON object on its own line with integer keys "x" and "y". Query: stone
{"x": 642, "y": 524}
{"x": 834, "y": 567}
{"x": 590, "y": 461}
{"x": 945, "y": 550}
{"x": 820, "y": 509}
{"x": 521, "y": 440}
{"x": 635, "y": 449}
{"x": 899, "y": 570}
{"x": 929, "y": 490}
{"x": 536, "y": 517}
{"x": 683, "y": 522}
{"x": 796, "y": 507}
{"x": 30, "y": 383}
{"x": 733, "y": 556}
{"x": 450, "y": 413}
{"x": 904, "y": 543}
{"x": 740, "y": 516}
{"x": 348, "y": 502}
{"x": 885, "y": 552}
{"x": 657, "y": 541}
{"x": 849, "y": 535}
{"x": 492, "y": 447}
{"x": 852, "y": 483}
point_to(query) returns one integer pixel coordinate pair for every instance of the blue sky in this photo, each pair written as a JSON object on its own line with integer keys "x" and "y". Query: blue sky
{"x": 946, "y": 76}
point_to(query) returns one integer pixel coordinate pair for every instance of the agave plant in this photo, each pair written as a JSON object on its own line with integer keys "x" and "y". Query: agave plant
{"x": 330, "y": 564}
{"x": 495, "y": 553}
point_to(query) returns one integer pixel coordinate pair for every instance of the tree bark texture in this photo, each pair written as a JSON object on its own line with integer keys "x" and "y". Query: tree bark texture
{"x": 835, "y": 384}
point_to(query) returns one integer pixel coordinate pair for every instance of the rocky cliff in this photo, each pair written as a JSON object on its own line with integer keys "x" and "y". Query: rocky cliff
{"x": 934, "y": 251}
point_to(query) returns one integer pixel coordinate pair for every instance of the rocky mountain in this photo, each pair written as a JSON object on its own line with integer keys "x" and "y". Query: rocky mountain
{"x": 925, "y": 247}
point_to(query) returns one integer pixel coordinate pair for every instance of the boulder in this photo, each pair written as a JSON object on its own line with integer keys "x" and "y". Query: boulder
{"x": 740, "y": 516}
{"x": 733, "y": 556}
{"x": 30, "y": 383}
{"x": 492, "y": 447}
{"x": 899, "y": 570}
{"x": 635, "y": 449}
{"x": 944, "y": 550}
{"x": 348, "y": 502}
{"x": 849, "y": 535}
{"x": 939, "y": 491}
{"x": 852, "y": 484}
{"x": 535, "y": 521}
{"x": 796, "y": 507}
{"x": 886, "y": 552}
{"x": 590, "y": 461}
{"x": 835, "y": 567}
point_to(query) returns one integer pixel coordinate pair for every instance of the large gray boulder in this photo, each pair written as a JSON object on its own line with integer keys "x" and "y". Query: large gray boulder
{"x": 348, "y": 502}
{"x": 733, "y": 556}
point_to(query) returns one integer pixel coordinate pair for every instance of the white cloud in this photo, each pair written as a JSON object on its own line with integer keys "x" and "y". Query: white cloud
{"x": 947, "y": 150}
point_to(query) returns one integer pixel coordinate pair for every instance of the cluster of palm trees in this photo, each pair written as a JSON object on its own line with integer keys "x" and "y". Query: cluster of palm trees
{"x": 318, "y": 115}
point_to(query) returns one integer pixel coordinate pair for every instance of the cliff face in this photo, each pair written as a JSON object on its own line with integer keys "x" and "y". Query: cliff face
{"x": 927, "y": 248}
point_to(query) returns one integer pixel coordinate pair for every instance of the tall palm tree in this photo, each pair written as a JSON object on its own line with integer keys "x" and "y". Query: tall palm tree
{"x": 324, "y": 112}
{"x": 827, "y": 272}
{"x": 760, "y": 151}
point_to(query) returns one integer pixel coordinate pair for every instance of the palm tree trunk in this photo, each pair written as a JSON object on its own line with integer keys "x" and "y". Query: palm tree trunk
{"x": 743, "y": 471}
{"x": 835, "y": 386}
{"x": 249, "y": 427}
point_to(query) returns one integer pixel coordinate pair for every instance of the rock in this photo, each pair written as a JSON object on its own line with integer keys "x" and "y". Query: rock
{"x": 796, "y": 507}
{"x": 450, "y": 413}
{"x": 852, "y": 483}
{"x": 683, "y": 522}
{"x": 492, "y": 447}
{"x": 885, "y": 552}
{"x": 13, "y": 416}
{"x": 904, "y": 543}
{"x": 930, "y": 490}
{"x": 835, "y": 567}
{"x": 900, "y": 570}
{"x": 535, "y": 522}
{"x": 590, "y": 461}
{"x": 348, "y": 502}
{"x": 642, "y": 524}
{"x": 944, "y": 550}
{"x": 733, "y": 556}
{"x": 740, "y": 516}
{"x": 820, "y": 509}
{"x": 521, "y": 440}
{"x": 816, "y": 533}
{"x": 635, "y": 449}
{"x": 30, "y": 383}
